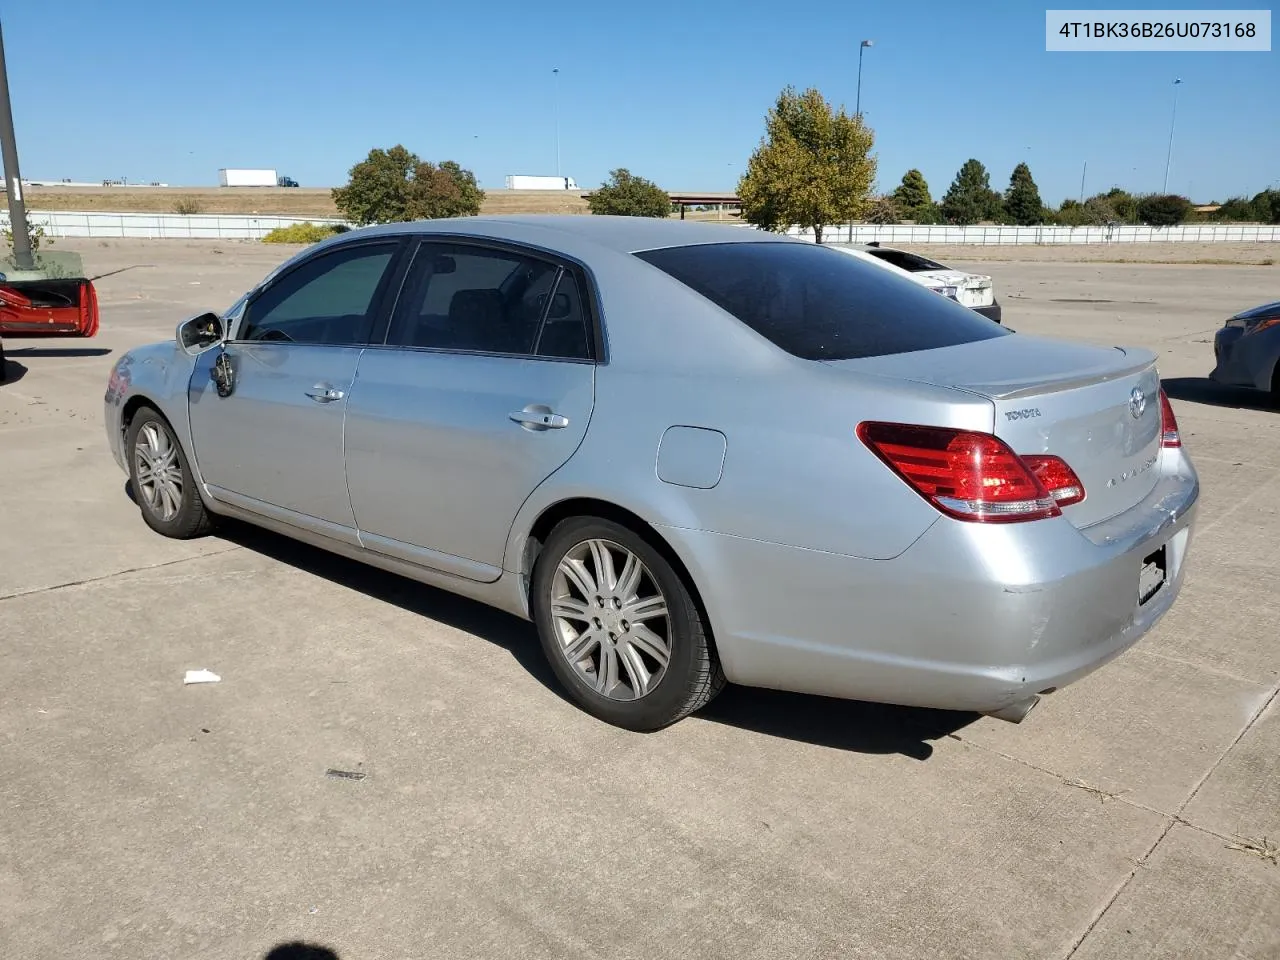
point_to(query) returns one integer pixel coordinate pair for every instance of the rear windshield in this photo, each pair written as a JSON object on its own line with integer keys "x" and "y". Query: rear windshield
{"x": 820, "y": 304}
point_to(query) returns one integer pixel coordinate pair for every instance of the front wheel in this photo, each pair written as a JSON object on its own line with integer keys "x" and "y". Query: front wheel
{"x": 162, "y": 480}
{"x": 620, "y": 627}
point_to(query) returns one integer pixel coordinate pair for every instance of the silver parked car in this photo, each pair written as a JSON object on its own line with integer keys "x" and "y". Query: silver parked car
{"x": 1246, "y": 350}
{"x": 689, "y": 454}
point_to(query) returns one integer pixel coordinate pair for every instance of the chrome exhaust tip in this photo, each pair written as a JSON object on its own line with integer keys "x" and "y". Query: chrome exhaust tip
{"x": 1016, "y": 711}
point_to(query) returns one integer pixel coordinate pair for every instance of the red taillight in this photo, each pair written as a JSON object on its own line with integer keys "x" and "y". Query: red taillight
{"x": 1169, "y": 436}
{"x": 1058, "y": 478}
{"x": 965, "y": 474}
{"x": 89, "y": 318}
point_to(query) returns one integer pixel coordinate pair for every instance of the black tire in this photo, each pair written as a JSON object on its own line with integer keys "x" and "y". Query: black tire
{"x": 693, "y": 674}
{"x": 191, "y": 519}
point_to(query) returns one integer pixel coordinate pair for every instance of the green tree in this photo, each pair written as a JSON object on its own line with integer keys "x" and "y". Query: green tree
{"x": 626, "y": 195}
{"x": 813, "y": 166}
{"x": 1266, "y": 206}
{"x": 912, "y": 195}
{"x": 1123, "y": 203}
{"x": 394, "y": 185}
{"x": 970, "y": 198}
{"x": 1022, "y": 199}
{"x": 440, "y": 191}
{"x": 1163, "y": 209}
{"x": 1236, "y": 210}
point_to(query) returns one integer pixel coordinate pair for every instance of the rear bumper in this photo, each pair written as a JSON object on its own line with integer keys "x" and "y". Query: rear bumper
{"x": 991, "y": 312}
{"x": 970, "y": 617}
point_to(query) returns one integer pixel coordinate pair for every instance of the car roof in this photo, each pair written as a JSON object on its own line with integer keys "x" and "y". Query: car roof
{"x": 621, "y": 234}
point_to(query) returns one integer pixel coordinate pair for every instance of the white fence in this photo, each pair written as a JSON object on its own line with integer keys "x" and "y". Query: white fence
{"x": 161, "y": 226}
{"x": 237, "y": 227}
{"x": 984, "y": 236}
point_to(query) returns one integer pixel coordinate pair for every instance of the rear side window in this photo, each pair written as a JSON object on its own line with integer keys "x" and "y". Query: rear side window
{"x": 819, "y": 304}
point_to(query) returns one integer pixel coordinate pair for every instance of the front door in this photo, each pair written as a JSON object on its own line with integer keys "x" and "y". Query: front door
{"x": 273, "y": 445}
{"x": 483, "y": 389}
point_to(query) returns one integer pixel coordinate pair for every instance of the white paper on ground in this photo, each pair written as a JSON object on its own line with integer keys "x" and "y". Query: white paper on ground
{"x": 200, "y": 676}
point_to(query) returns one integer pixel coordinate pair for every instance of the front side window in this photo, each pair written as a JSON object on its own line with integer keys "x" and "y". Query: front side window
{"x": 330, "y": 299}
{"x": 471, "y": 298}
{"x": 820, "y": 304}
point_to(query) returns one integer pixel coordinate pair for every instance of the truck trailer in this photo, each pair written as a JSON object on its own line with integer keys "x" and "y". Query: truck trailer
{"x": 518, "y": 181}
{"x": 245, "y": 177}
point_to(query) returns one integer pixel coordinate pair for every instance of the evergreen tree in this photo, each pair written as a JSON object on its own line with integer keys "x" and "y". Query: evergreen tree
{"x": 1022, "y": 199}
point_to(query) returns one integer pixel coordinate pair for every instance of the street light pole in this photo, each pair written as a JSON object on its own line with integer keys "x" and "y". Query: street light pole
{"x": 555, "y": 72}
{"x": 22, "y": 258}
{"x": 1173, "y": 120}
{"x": 861, "y": 47}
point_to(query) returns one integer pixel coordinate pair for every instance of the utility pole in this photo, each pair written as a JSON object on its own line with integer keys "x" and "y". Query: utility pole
{"x": 555, "y": 72}
{"x": 865, "y": 43}
{"x": 1082, "y": 173}
{"x": 22, "y": 258}
{"x": 1173, "y": 120}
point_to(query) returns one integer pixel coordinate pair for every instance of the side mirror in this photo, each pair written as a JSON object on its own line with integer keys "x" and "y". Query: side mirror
{"x": 197, "y": 334}
{"x": 560, "y": 307}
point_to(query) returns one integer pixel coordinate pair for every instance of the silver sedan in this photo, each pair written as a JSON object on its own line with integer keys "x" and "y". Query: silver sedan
{"x": 691, "y": 454}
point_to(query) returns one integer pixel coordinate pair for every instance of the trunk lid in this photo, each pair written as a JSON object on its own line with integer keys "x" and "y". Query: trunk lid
{"x": 1098, "y": 408}
{"x": 972, "y": 289}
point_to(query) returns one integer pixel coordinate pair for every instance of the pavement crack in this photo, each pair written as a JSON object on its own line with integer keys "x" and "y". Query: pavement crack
{"x": 117, "y": 573}
{"x": 1266, "y": 850}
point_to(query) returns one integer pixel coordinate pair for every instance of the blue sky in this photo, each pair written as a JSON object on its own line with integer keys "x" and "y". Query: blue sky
{"x": 677, "y": 92}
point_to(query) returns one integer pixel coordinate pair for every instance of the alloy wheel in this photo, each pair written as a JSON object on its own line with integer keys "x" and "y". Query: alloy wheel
{"x": 611, "y": 619}
{"x": 159, "y": 475}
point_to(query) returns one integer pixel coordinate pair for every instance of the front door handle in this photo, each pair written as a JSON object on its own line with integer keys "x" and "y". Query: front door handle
{"x": 323, "y": 393}
{"x": 539, "y": 420}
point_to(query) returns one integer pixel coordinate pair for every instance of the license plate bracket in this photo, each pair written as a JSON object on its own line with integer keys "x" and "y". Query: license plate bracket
{"x": 1152, "y": 576}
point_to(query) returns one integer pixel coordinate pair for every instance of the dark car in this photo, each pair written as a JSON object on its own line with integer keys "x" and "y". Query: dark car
{"x": 1246, "y": 350}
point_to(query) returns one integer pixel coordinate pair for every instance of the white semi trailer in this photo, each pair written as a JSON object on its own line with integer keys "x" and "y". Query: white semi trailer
{"x": 245, "y": 177}
{"x": 517, "y": 181}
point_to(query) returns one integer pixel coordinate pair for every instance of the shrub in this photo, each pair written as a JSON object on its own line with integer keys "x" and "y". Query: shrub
{"x": 883, "y": 210}
{"x": 303, "y": 233}
{"x": 187, "y": 206}
{"x": 1163, "y": 210}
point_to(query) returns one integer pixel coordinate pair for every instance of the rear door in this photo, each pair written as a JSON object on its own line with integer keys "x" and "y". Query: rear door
{"x": 483, "y": 388}
{"x": 273, "y": 445}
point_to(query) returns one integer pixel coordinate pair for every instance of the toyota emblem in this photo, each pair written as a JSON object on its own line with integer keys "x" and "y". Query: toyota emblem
{"x": 1137, "y": 403}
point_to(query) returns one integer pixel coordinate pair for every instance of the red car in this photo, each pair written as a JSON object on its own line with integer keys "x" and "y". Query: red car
{"x": 47, "y": 308}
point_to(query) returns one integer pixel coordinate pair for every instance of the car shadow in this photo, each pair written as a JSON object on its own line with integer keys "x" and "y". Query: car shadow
{"x": 12, "y": 372}
{"x": 59, "y": 351}
{"x": 852, "y": 725}
{"x": 299, "y": 950}
{"x": 512, "y": 634}
{"x": 1206, "y": 391}
{"x": 849, "y": 725}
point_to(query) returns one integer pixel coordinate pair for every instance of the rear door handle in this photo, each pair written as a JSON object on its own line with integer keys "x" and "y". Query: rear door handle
{"x": 323, "y": 393}
{"x": 539, "y": 421}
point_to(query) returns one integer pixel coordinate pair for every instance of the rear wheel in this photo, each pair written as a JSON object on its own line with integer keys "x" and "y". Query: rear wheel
{"x": 620, "y": 627}
{"x": 162, "y": 480}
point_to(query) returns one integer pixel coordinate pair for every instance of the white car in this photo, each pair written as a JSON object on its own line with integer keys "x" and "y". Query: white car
{"x": 973, "y": 290}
